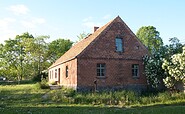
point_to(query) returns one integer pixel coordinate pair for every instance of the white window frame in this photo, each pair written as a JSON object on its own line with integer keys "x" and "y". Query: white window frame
{"x": 135, "y": 70}
{"x": 101, "y": 69}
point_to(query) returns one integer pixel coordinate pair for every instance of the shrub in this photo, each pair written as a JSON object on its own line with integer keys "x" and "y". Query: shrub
{"x": 43, "y": 84}
{"x": 53, "y": 83}
{"x": 163, "y": 97}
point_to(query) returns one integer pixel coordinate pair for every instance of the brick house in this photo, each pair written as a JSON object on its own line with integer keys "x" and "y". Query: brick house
{"x": 109, "y": 58}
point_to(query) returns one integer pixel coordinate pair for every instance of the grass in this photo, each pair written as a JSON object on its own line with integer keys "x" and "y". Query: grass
{"x": 94, "y": 110}
{"x": 28, "y": 99}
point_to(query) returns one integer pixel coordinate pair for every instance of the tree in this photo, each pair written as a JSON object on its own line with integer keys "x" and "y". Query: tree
{"x": 36, "y": 50}
{"x": 57, "y": 48}
{"x": 154, "y": 68}
{"x": 13, "y": 56}
{"x": 82, "y": 35}
{"x": 150, "y": 37}
{"x": 175, "y": 67}
{"x": 174, "y": 47}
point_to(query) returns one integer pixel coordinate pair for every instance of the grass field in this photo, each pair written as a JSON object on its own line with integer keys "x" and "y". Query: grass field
{"x": 28, "y": 99}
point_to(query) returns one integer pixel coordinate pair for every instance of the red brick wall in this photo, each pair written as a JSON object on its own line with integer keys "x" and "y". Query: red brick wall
{"x": 118, "y": 73}
{"x": 104, "y": 45}
{"x": 71, "y": 80}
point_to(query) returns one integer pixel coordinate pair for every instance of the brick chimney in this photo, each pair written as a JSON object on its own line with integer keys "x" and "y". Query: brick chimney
{"x": 95, "y": 28}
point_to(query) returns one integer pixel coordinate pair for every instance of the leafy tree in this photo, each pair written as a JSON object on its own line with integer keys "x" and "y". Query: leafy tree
{"x": 36, "y": 54}
{"x": 175, "y": 67}
{"x": 150, "y": 37}
{"x": 153, "y": 68}
{"x": 154, "y": 71}
{"x": 82, "y": 35}
{"x": 13, "y": 56}
{"x": 174, "y": 47}
{"x": 57, "y": 48}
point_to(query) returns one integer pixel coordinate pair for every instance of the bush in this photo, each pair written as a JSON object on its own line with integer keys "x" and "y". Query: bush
{"x": 53, "y": 83}
{"x": 38, "y": 78}
{"x": 43, "y": 84}
{"x": 163, "y": 97}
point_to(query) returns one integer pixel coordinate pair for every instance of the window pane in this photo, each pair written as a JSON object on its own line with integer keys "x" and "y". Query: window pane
{"x": 135, "y": 70}
{"x": 100, "y": 69}
{"x": 66, "y": 71}
{"x": 119, "y": 46}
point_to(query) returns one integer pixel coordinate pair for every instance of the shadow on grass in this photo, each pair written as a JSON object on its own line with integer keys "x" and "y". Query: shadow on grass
{"x": 65, "y": 109}
{"x": 17, "y": 83}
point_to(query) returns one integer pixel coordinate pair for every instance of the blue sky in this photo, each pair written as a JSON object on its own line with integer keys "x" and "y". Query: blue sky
{"x": 68, "y": 18}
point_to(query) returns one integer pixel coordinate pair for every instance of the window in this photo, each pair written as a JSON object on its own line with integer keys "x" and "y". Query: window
{"x": 55, "y": 73}
{"x": 101, "y": 69}
{"x": 49, "y": 74}
{"x": 52, "y": 74}
{"x": 135, "y": 70}
{"x": 67, "y": 70}
{"x": 119, "y": 45}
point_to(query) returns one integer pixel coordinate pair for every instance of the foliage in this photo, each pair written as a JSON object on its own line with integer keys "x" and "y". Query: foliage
{"x": 25, "y": 56}
{"x": 82, "y": 35}
{"x": 153, "y": 68}
{"x": 36, "y": 54}
{"x": 13, "y": 57}
{"x": 153, "y": 64}
{"x": 57, "y": 48}
{"x": 150, "y": 37}
{"x": 38, "y": 77}
{"x": 175, "y": 68}
{"x": 43, "y": 84}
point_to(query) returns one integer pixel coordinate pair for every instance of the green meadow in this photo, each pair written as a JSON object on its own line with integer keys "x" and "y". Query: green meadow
{"x": 30, "y": 99}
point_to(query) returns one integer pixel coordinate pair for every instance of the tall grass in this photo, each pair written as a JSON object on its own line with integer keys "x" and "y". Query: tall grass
{"x": 30, "y": 94}
{"x": 120, "y": 98}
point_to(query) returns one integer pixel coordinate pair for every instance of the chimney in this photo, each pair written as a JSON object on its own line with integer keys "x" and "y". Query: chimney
{"x": 95, "y": 28}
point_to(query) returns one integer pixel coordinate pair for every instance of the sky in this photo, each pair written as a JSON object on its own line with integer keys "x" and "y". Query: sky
{"x": 68, "y": 18}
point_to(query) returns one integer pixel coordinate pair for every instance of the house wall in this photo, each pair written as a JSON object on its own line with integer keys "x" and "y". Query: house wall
{"x": 118, "y": 64}
{"x": 71, "y": 80}
{"x": 118, "y": 74}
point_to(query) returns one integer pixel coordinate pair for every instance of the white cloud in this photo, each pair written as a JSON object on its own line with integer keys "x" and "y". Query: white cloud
{"x": 19, "y": 9}
{"x": 107, "y": 16}
{"x": 28, "y": 24}
{"x": 39, "y": 20}
{"x": 87, "y": 19}
{"x": 7, "y": 32}
{"x": 33, "y": 22}
{"x": 89, "y": 23}
{"x": 5, "y": 22}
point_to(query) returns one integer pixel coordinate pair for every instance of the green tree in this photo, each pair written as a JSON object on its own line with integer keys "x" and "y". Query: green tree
{"x": 13, "y": 56}
{"x": 82, "y": 35}
{"x": 150, "y": 37}
{"x": 57, "y": 48}
{"x": 153, "y": 68}
{"x": 175, "y": 67}
{"x": 174, "y": 47}
{"x": 36, "y": 50}
{"x": 154, "y": 71}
